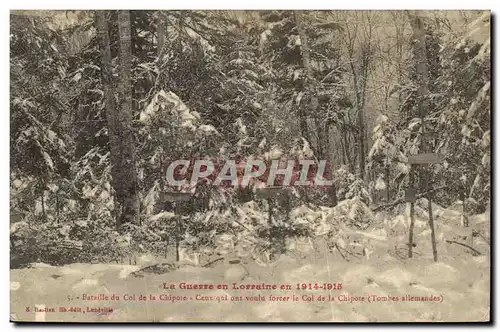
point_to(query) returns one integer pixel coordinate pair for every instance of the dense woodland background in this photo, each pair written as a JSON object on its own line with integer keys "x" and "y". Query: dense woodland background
{"x": 102, "y": 101}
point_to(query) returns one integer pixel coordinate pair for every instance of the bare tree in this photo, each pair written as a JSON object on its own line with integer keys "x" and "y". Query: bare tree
{"x": 357, "y": 41}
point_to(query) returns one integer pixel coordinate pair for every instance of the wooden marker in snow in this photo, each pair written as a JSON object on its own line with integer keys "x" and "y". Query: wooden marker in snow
{"x": 420, "y": 51}
{"x": 270, "y": 194}
{"x": 410, "y": 195}
{"x": 425, "y": 158}
{"x": 175, "y": 198}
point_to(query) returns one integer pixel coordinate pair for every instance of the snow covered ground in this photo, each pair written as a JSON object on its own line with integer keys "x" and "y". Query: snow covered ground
{"x": 379, "y": 282}
{"x": 463, "y": 284}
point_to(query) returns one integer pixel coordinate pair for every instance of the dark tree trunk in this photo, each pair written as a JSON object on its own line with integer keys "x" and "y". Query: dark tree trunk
{"x": 387, "y": 181}
{"x": 161, "y": 33}
{"x": 129, "y": 195}
{"x": 110, "y": 103}
{"x": 320, "y": 149}
{"x": 124, "y": 180}
{"x": 307, "y": 66}
{"x": 361, "y": 140}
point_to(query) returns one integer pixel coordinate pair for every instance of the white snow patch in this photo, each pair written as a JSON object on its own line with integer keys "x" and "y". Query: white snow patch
{"x": 358, "y": 275}
{"x": 66, "y": 270}
{"x": 274, "y": 153}
{"x": 127, "y": 270}
{"x": 235, "y": 273}
{"x": 18, "y": 226}
{"x": 481, "y": 259}
{"x": 85, "y": 284}
{"x": 39, "y": 265}
{"x": 439, "y": 275}
{"x": 262, "y": 143}
{"x": 397, "y": 277}
{"x": 207, "y": 128}
{"x": 379, "y": 234}
{"x": 14, "y": 285}
{"x": 162, "y": 215}
{"x": 241, "y": 127}
{"x": 380, "y": 184}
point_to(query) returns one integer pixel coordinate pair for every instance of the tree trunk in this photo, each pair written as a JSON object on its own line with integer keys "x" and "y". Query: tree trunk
{"x": 321, "y": 149}
{"x": 365, "y": 63}
{"x": 387, "y": 180}
{"x": 307, "y": 66}
{"x": 113, "y": 122}
{"x": 361, "y": 140}
{"x": 360, "y": 78}
{"x": 161, "y": 31}
{"x": 128, "y": 197}
{"x": 124, "y": 180}
{"x": 332, "y": 191}
{"x": 360, "y": 81}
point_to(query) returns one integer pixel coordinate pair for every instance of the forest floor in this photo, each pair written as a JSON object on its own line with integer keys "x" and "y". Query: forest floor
{"x": 380, "y": 288}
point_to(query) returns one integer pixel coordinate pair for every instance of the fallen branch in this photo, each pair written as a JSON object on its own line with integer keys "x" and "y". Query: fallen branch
{"x": 464, "y": 245}
{"x": 481, "y": 235}
{"x": 212, "y": 261}
{"x": 247, "y": 217}
{"x": 340, "y": 252}
{"x": 401, "y": 200}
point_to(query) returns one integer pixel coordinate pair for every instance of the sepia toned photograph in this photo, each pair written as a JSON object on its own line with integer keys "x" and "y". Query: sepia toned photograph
{"x": 181, "y": 166}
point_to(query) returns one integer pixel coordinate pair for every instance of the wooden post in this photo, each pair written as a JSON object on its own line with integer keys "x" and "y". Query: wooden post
{"x": 412, "y": 215}
{"x": 465, "y": 220}
{"x": 177, "y": 254}
{"x": 270, "y": 217}
{"x": 433, "y": 234}
{"x": 387, "y": 181}
{"x": 177, "y": 231}
{"x": 269, "y": 194}
{"x": 412, "y": 225}
{"x": 423, "y": 178}
{"x": 176, "y": 198}
{"x": 420, "y": 51}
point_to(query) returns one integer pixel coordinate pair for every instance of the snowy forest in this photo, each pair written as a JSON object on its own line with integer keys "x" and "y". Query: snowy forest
{"x": 102, "y": 101}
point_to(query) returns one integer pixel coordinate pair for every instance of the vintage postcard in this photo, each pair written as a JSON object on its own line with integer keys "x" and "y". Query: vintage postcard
{"x": 250, "y": 166}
